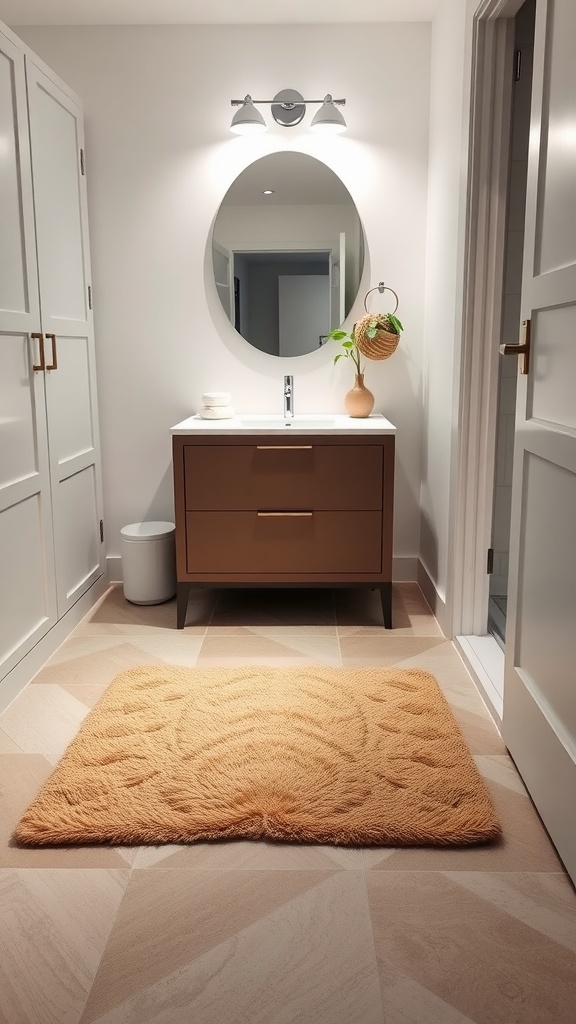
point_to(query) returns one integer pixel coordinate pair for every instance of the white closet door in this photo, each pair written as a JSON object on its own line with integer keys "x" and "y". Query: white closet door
{"x": 27, "y": 592}
{"x": 70, "y": 381}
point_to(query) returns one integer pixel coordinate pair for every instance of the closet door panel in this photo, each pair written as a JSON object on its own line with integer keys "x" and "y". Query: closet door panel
{"x": 27, "y": 594}
{"x": 26, "y": 608}
{"x": 19, "y": 411}
{"x": 54, "y": 125}
{"x": 71, "y": 424}
{"x": 13, "y": 280}
{"x": 19, "y": 308}
{"x": 73, "y": 432}
{"x": 76, "y": 533}
{"x": 71, "y": 400}
{"x": 18, "y": 275}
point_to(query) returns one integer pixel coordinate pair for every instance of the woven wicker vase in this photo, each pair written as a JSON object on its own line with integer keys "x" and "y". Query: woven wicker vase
{"x": 359, "y": 401}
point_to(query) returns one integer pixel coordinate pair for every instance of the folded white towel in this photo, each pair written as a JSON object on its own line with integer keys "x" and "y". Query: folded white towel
{"x": 218, "y": 412}
{"x": 213, "y": 399}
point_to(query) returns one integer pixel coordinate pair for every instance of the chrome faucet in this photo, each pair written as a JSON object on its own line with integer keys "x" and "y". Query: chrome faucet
{"x": 288, "y": 396}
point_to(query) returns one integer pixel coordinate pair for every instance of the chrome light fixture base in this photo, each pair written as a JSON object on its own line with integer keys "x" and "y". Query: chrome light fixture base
{"x": 288, "y": 108}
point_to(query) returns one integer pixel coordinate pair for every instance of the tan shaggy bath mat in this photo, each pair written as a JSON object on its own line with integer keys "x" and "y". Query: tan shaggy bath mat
{"x": 334, "y": 755}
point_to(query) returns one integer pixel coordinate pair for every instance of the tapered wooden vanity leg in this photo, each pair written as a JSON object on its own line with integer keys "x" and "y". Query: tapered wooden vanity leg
{"x": 182, "y": 592}
{"x": 386, "y": 599}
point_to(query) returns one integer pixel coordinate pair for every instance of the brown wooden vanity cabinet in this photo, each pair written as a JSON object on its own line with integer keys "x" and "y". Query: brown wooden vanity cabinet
{"x": 303, "y": 510}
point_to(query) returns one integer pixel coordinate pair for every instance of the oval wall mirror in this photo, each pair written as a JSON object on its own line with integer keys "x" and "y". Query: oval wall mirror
{"x": 288, "y": 253}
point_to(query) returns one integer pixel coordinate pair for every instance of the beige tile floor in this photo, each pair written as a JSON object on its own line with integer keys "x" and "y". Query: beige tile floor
{"x": 250, "y": 933}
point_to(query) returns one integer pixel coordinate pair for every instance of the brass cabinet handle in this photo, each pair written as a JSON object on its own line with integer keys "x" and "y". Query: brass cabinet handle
{"x": 54, "y": 364}
{"x": 42, "y": 364}
{"x": 283, "y": 447}
{"x": 523, "y": 349}
{"x": 291, "y": 515}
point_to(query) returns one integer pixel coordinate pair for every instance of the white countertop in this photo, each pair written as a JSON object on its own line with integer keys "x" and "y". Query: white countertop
{"x": 268, "y": 423}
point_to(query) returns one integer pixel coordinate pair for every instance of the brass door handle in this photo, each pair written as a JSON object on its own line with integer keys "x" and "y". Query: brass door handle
{"x": 54, "y": 364}
{"x": 42, "y": 364}
{"x": 291, "y": 515}
{"x": 523, "y": 349}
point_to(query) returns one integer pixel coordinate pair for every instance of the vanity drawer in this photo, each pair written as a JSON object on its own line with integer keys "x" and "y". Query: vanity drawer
{"x": 273, "y": 476}
{"x": 310, "y": 542}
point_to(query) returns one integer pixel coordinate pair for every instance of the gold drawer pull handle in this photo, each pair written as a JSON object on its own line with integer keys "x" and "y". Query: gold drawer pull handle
{"x": 266, "y": 515}
{"x": 283, "y": 447}
{"x": 54, "y": 363}
{"x": 40, "y": 339}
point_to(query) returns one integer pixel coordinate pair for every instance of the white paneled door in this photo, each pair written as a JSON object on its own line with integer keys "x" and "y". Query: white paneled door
{"x": 27, "y": 590}
{"x": 337, "y": 263}
{"x": 539, "y": 722}
{"x": 70, "y": 379}
{"x": 303, "y": 312}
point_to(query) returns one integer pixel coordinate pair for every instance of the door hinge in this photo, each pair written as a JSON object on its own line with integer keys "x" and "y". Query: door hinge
{"x": 490, "y": 562}
{"x": 101, "y": 531}
{"x": 517, "y": 65}
{"x": 89, "y": 296}
{"x": 82, "y": 162}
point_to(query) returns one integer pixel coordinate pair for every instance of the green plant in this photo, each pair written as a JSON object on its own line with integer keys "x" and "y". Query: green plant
{"x": 384, "y": 322}
{"x": 351, "y": 350}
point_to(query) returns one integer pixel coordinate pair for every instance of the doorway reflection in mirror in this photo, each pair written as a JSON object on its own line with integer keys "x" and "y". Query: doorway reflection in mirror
{"x": 287, "y": 264}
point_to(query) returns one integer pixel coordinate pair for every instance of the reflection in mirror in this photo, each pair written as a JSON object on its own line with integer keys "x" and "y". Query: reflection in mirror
{"x": 288, "y": 253}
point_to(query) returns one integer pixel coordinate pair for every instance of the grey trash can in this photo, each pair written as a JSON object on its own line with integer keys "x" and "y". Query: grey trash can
{"x": 148, "y": 562}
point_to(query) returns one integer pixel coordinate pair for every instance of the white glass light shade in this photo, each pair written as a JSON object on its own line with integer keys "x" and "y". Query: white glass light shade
{"x": 328, "y": 119}
{"x": 247, "y": 120}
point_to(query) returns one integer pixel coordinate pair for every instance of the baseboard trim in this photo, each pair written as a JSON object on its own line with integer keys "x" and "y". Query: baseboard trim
{"x": 404, "y": 569}
{"x": 31, "y": 663}
{"x": 437, "y": 604}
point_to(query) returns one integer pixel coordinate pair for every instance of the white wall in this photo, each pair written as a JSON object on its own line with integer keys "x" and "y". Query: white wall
{"x": 160, "y": 159}
{"x": 443, "y": 298}
{"x": 240, "y": 227}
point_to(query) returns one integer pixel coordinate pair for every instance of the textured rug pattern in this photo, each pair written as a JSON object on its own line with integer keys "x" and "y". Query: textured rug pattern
{"x": 363, "y": 756}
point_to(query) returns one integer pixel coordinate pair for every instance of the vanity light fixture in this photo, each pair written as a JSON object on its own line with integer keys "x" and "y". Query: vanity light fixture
{"x": 288, "y": 108}
{"x": 247, "y": 120}
{"x": 328, "y": 119}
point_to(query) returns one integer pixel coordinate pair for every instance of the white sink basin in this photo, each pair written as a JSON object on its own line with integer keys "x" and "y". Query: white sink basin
{"x": 275, "y": 422}
{"x": 272, "y": 423}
